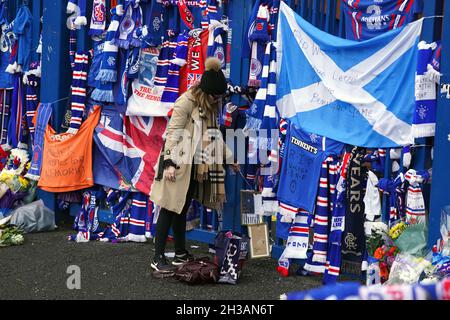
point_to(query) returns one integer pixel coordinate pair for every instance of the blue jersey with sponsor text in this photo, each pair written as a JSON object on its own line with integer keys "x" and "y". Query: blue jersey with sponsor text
{"x": 365, "y": 19}
{"x": 300, "y": 171}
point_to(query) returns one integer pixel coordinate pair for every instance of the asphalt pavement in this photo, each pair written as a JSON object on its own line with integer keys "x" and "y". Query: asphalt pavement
{"x": 38, "y": 269}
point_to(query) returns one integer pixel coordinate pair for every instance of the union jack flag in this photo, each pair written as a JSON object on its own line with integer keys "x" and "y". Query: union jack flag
{"x": 192, "y": 79}
{"x": 131, "y": 144}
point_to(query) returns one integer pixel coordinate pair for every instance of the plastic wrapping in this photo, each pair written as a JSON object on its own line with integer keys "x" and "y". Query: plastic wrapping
{"x": 407, "y": 269}
{"x": 33, "y": 217}
{"x": 413, "y": 240}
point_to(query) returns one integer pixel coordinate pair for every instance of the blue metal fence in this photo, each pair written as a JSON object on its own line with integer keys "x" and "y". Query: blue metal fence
{"x": 324, "y": 14}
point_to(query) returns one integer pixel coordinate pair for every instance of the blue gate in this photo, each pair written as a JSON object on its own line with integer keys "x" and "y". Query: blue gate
{"x": 324, "y": 14}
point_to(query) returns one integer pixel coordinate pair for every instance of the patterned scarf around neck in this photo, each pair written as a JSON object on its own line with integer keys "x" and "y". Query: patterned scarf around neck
{"x": 209, "y": 171}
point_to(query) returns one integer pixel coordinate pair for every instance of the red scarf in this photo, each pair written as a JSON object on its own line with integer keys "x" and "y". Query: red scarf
{"x": 196, "y": 60}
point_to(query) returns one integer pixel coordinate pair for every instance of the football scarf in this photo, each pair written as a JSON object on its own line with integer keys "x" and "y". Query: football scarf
{"x": 154, "y": 17}
{"x": 98, "y": 18}
{"x": 415, "y": 204}
{"x": 273, "y": 18}
{"x": 16, "y": 113}
{"x": 262, "y": 114}
{"x": 5, "y": 99}
{"x": 258, "y": 38}
{"x": 196, "y": 61}
{"x": 44, "y": 112}
{"x": 247, "y": 45}
{"x": 424, "y": 120}
{"x": 87, "y": 222}
{"x": 108, "y": 67}
{"x": 78, "y": 90}
{"x": 353, "y": 238}
{"x": 297, "y": 241}
{"x": 72, "y": 46}
{"x": 215, "y": 42}
{"x": 185, "y": 14}
{"x": 131, "y": 20}
{"x": 80, "y": 7}
{"x": 333, "y": 264}
{"x": 32, "y": 87}
{"x": 202, "y": 4}
{"x": 102, "y": 90}
{"x": 167, "y": 51}
{"x": 133, "y": 220}
{"x": 171, "y": 90}
{"x": 395, "y": 191}
{"x": 324, "y": 204}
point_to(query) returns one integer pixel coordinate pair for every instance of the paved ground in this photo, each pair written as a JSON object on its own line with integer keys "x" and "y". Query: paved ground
{"x": 37, "y": 270}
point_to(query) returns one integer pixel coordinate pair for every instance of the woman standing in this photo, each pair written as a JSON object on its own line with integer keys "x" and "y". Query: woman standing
{"x": 192, "y": 159}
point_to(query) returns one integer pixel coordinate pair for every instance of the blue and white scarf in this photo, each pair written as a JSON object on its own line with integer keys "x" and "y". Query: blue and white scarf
{"x": 263, "y": 113}
{"x": 333, "y": 264}
{"x": 78, "y": 6}
{"x": 424, "y": 121}
{"x": 171, "y": 90}
{"x": 130, "y": 22}
{"x": 108, "y": 68}
{"x": 395, "y": 190}
{"x": 98, "y": 18}
{"x": 44, "y": 112}
{"x": 16, "y": 113}
{"x": 78, "y": 94}
{"x": 258, "y": 37}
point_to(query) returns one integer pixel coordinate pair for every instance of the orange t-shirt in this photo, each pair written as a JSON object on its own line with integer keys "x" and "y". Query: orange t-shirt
{"x": 67, "y": 158}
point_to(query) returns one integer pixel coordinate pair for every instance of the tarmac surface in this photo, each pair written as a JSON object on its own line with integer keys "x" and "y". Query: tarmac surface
{"x": 38, "y": 270}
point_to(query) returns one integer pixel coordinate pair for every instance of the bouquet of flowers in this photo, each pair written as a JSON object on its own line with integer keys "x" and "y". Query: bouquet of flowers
{"x": 381, "y": 250}
{"x": 10, "y": 236}
{"x": 397, "y": 230}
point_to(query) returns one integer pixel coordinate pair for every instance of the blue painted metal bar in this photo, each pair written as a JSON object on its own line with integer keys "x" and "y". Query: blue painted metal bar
{"x": 36, "y": 11}
{"x": 239, "y": 14}
{"x": 55, "y": 69}
{"x": 314, "y": 13}
{"x": 84, "y": 42}
{"x": 440, "y": 192}
{"x": 329, "y": 22}
{"x": 341, "y": 24}
{"x": 303, "y": 8}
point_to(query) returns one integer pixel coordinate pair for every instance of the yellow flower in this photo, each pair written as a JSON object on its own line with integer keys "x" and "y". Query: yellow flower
{"x": 396, "y": 230}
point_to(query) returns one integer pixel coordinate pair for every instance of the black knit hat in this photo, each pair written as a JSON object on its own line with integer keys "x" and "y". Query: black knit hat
{"x": 213, "y": 80}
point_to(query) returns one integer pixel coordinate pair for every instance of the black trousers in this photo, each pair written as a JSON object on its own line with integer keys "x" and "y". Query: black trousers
{"x": 175, "y": 220}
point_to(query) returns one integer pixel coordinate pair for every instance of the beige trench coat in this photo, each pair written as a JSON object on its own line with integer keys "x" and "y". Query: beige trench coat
{"x": 182, "y": 137}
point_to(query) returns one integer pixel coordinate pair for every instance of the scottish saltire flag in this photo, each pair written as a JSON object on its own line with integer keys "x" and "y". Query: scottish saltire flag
{"x": 360, "y": 93}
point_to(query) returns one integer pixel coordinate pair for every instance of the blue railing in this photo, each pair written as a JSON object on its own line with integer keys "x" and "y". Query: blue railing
{"x": 326, "y": 15}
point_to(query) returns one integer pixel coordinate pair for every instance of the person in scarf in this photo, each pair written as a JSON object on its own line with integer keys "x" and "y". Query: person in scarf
{"x": 191, "y": 162}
